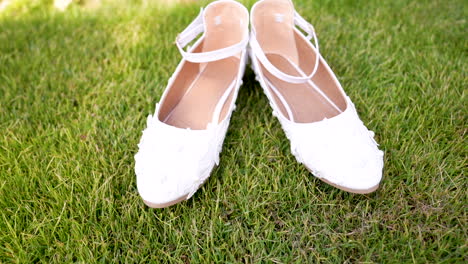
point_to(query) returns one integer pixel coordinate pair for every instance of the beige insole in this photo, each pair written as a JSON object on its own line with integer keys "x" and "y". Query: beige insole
{"x": 195, "y": 109}
{"x": 275, "y": 31}
{"x": 306, "y": 104}
{"x": 225, "y": 26}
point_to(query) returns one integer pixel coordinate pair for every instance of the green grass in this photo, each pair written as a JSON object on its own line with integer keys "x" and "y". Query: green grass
{"x": 75, "y": 90}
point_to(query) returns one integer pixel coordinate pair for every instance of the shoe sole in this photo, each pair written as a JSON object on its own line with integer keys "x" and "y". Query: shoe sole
{"x": 346, "y": 189}
{"x": 164, "y": 205}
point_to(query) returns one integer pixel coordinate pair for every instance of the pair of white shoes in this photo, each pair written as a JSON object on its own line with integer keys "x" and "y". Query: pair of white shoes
{"x": 183, "y": 139}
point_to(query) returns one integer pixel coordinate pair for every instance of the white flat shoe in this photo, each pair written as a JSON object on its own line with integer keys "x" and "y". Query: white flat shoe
{"x": 183, "y": 139}
{"x": 317, "y": 116}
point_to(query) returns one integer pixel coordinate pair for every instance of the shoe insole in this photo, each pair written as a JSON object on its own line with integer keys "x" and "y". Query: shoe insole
{"x": 225, "y": 26}
{"x": 195, "y": 109}
{"x": 275, "y": 31}
{"x": 306, "y": 103}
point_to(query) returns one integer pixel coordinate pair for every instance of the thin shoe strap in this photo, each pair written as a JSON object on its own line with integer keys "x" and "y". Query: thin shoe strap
{"x": 222, "y": 102}
{"x": 282, "y": 100}
{"x": 258, "y": 51}
{"x": 196, "y": 28}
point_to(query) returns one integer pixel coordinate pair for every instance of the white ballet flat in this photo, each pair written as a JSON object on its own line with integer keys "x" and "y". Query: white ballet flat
{"x": 183, "y": 139}
{"x": 317, "y": 116}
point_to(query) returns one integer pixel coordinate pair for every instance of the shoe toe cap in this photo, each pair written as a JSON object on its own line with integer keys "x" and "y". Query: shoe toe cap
{"x": 363, "y": 177}
{"x": 161, "y": 182}
{"x": 161, "y": 187}
{"x": 359, "y": 173}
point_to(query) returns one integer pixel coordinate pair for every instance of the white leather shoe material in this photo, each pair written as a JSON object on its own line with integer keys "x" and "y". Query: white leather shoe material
{"x": 183, "y": 139}
{"x": 173, "y": 162}
{"x": 340, "y": 150}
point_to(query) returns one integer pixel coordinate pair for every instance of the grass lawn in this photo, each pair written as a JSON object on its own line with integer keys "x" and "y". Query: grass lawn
{"x": 76, "y": 88}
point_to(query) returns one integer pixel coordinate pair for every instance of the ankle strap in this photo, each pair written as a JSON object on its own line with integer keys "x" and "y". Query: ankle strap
{"x": 258, "y": 51}
{"x": 196, "y": 28}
